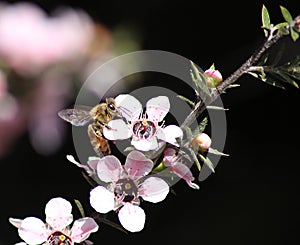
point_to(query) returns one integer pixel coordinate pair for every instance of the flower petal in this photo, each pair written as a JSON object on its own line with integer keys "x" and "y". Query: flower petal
{"x": 169, "y": 134}
{"x": 157, "y": 108}
{"x": 82, "y": 228}
{"x": 58, "y": 213}
{"x": 129, "y": 106}
{"x": 132, "y": 217}
{"x": 154, "y": 189}
{"x": 137, "y": 165}
{"x": 109, "y": 169}
{"x": 185, "y": 173}
{"x": 33, "y": 231}
{"x": 145, "y": 144}
{"x": 118, "y": 130}
{"x": 101, "y": 199}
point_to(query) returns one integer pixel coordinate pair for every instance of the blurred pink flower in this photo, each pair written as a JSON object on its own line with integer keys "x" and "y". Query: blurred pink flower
{"x": 203, "y": 141}
{"x": 30, "y": 39}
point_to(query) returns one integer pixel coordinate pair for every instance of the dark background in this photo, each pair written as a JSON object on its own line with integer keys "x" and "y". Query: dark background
{"x": 253, "y": 196}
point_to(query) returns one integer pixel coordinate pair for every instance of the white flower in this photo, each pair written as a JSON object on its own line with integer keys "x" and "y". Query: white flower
{"x": 55, "y": 231}
{"x": 125, "y": 187}
{"x": 144, "y": 130}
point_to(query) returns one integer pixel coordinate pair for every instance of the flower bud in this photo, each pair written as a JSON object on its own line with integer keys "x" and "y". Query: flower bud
{"x": 201, "y": 141}
{"x": 213, "y": 78}
{"x": 297, "y": 24}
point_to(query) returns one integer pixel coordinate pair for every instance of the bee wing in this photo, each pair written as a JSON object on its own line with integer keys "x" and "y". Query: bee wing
{"x": 78, "y": 116}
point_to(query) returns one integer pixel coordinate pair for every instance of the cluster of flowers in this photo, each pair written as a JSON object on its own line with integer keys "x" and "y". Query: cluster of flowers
{"x": 120, "y": 186}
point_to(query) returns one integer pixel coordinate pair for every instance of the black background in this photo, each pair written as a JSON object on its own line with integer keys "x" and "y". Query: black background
{"x": 253, "y": 196}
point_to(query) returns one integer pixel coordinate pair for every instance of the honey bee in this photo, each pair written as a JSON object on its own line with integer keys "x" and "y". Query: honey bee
{"x": 97, "y": 117}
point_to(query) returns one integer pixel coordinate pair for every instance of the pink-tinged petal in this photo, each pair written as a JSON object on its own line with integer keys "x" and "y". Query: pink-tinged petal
{"x": 33, "y": 231}
{"x": 137, "y": 165}
{"x": 21, "y": 243}
{"x": 170, "y": 157}
{"x": 129, "y": 107}
{"x": 154, "y": 189}
{"x": 90, "y": 171}
{"x": 102, "y": 200}
{"x": 132, "y": 217}
{"x": 185, "y": 173}
{"x": 109, "y": 169}
{"x": 15, "y": 222}
{"x": 118, "y": 130}
{"x": 145, "y": 144}
{"x": 169, "y": 134}
{"x": 58, "y": 213}
{"x": 82, "y": 228}
{"x": 157, "y": 108}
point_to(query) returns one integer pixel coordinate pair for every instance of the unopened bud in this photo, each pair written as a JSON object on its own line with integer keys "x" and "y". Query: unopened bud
{"x": 297, "y": 24}
{"x": 201, "y": 141}
{"x": 213, "y": 78}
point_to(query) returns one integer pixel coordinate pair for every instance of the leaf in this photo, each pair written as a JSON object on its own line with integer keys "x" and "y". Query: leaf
{"x": 186, "y": 100}
{"x": 112, "y": 224}
{"x": 194, "y": 157}
{"x": 281, "y": 27}
{"x": 212, "y": 67}
{"x": 80, "y": 208}
{"x": 265, "y": 20}
{"x": 201, "y": 127}
{"x": 159, "y": 168}
{"x": 216, "y": 108}
{"x": 189, "y": 133}
{"x": 207, "y": 162}
{"x": 294, "y": 35}
{"x": 216, "y": 152}
{"x": 287, "y": 79}
{"x": 129, "y": 148}
{"x": 199, "y": 80}
{"x": 286, "y": 15}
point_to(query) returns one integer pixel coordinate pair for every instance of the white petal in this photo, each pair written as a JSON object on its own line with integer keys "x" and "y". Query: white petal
{"x": 132, "y": 217}
{"x": 33, "y": 231}
{"x": 154, "y": 189}
{"x": 82, "y": 228}
{"x": 157, "y": 108}
{"x": 101, "y": 199}
{"x": 169, "y": 134}
{"x": 58, "y": 213}
{"x": 109, "y": 169}
{"x": 145, "y": 145}
{"x": 129, "y": 106}
{"x": 118, "y": 130}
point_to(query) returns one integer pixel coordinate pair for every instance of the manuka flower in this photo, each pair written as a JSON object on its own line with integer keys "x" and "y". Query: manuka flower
{"x": 56, "y": 229}
{"x": 125, "y": 186}
{"x": 213, "y": 77}
{"x": 144, "y": 129}
{"x": 171, "y": 160}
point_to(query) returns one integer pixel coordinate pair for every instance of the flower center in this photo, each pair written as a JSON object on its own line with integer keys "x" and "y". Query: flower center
{"x": 125, "y": 190}
{"x": 58, "y": 238}
{"x": 144, "y": 129}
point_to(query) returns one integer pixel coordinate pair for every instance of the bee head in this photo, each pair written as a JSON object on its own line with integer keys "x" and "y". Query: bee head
{"x": 111, "y": 105}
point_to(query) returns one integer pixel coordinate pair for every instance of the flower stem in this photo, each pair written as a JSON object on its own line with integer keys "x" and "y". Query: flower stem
{"x": 215, "y": 93}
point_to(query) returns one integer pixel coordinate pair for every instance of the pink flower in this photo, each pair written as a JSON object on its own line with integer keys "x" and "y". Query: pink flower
{"x": 181, "y": 170}
{"x": 125, "y": 187}
{"x": 203, "y": 141}
{"x": 32, "y": 40}
{"x": 56, "y": 229}
{"x": 213, "y": 77}
{"x": 144, "y": 130}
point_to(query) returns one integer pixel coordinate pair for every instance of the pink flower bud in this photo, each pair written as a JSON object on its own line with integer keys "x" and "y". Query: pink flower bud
{"x": 3, "y": 84}
{"x": 213, "y": 78}
{"x": 202, "y": 140}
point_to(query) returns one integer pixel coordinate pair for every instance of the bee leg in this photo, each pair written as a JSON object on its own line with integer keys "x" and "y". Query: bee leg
{"x": 96, "y": 129}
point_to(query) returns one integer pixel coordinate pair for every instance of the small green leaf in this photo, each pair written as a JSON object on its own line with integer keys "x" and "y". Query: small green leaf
{"x": 112, "y": 224}
{"x": 201, "y": 127}
{"x": 199, "y": 80}
{"x": 211, "y": 107}
{"x": 216, "y": 152}
{"x": 294, "y": 35}
{"x": 286, "y": 15}
{"x": 189, "y": 133}
{"x": 281, "y": 26}
{"x": 265, "y": 20}
{"x": 186, "y": 100}
{"x": 207, "y": 162}
{"x": 195, "y": 159}
{"x": 129, "y": 148}
{"x": 212, "y": 66}
{"x": 159, "y": 168}
{"x": 80, "y": 208}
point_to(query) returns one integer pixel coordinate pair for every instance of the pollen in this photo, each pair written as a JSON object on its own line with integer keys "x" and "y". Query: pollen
{"x": 127, "y": 186}
{"x": 62, "y": 237}
{"x": 144, "y": 122}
